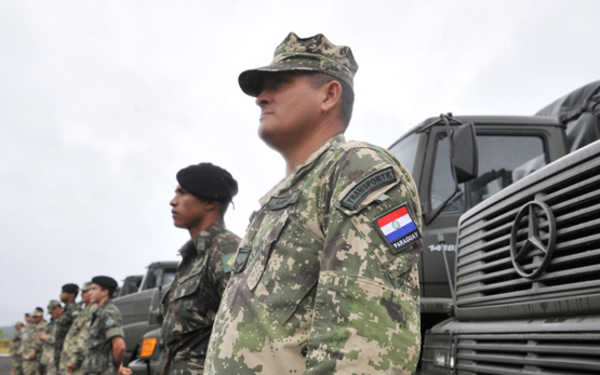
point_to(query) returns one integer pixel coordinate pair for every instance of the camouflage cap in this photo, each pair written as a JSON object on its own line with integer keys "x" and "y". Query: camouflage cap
{"x": 86, "y": 286}
{"x": 54, "y": 303}
{"x": 314, "y": 54}
{"x": 36, "y": 314}
{"x": 19, "y": 323}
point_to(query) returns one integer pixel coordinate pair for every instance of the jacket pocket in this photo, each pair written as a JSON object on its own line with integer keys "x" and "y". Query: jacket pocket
{"x": 287, "y": 269}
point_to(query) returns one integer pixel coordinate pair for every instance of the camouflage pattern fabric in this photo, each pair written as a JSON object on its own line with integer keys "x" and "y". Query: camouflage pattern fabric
{"x": 315, "y": 287}
{"x": 75, "y": 341}
{"x": 105, "y": 324}
{"x": 48, "y": 349}
{"x": 14, "y": 350}
{"x": 63, "y": 323}
{"x": 194, "y": 296}
{"x": 33, "y": 344}
{"x": 314, "y": 54}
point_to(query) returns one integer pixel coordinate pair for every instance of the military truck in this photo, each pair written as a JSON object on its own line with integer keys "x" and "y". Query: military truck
{"x": 525, "y": 279}
{"x": 131, "y": 284}
{"x": 140, "y": 310}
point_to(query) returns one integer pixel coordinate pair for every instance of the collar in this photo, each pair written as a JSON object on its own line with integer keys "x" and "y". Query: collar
{"x": 303, "y": 169}
{"x": 201, "y": 241}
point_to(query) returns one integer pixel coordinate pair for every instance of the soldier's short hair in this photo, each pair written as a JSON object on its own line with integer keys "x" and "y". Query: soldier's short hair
{"x": 317, "y": 80}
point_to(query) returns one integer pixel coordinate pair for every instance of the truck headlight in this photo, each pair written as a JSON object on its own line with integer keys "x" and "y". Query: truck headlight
{"x": 148, "y": 346}
{"x": 437, "y": 357}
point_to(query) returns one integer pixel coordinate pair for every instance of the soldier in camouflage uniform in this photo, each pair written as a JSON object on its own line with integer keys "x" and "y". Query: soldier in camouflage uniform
{"x": 105, "y": 347}
{"x": 15, "y": 345}
{"x": 74, "y": 347}
{"x": 325, "y": 280}
{"x": 32, "y": 345}
{"x": 71, "y": 311}
{"x": 201, "y": 200}
{"x": 47, "y": 362}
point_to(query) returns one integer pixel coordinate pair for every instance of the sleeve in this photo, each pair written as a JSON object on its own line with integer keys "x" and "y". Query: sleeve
{"x": 366, "y": 317}
{"x": 219, "y": 265}
{"x": 111, "y": 319}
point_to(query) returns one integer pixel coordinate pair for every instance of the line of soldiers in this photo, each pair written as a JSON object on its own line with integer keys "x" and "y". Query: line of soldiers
{"x": 79, "y": 338}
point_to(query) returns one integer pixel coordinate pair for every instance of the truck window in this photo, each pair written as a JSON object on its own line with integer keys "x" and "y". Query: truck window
{"x": 504, "y": 160}
{"x": 406, "y": 151}
{"x": 168, "y": 276}
{"x": 442, "y": 182}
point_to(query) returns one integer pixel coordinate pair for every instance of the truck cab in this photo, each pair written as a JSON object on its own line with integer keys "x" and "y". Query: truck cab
{"x": 140, "y": 310}
{"x": 508, "y": 149}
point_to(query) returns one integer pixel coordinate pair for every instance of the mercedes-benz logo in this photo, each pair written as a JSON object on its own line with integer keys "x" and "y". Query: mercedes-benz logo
{"x": 533, "y": 242}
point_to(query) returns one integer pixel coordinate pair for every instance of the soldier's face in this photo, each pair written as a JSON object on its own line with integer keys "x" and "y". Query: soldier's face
{"x": 64, "y": 297}
{"x": 188, "y": 211}
{"x": 56, "y": 312}
{"x": 85, "y": 297}
{"x": 96, "y": 293}
{"x": 289, "y": 109}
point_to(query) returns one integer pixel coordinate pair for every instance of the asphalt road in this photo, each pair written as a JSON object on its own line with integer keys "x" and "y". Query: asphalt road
{"x": 5, "y": 365}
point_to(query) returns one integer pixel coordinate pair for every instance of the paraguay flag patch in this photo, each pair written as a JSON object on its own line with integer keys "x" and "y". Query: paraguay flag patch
{"x": 398, "y": 228}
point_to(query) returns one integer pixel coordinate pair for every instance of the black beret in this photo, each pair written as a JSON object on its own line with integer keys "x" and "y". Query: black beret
{"x": 209, "y": 182}
{"x": 39, "y": 309}
{"x": 105, "y": 281}
{"x": 70, "y": 288}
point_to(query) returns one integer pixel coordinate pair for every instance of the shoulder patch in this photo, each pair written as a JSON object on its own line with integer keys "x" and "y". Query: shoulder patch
{"x": 75, "y": 313}
{"x": 109, "y": 322}
{"x": 398, "y": 228}
{"x": 277, "y": 203}
{"x": 367, "y": 185}
{"x": 228, "y": 260}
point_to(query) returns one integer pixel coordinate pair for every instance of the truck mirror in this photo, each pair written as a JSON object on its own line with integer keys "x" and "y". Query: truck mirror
{"x": 464, "y": 158}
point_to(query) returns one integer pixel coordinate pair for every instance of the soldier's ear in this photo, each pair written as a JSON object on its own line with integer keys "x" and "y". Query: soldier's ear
{"x": 332, "y": 95}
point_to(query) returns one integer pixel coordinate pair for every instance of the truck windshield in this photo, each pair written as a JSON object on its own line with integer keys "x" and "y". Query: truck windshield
{"x": 406, "y": 151}
{"x": 503, "y": 160}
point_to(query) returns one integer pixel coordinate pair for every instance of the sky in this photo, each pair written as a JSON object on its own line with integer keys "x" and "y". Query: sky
{"x": 102, "y": 102}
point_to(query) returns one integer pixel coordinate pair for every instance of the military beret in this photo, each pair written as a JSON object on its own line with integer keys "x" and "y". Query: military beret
{"x": 36, "y": 314}
{"x": 314, "y": 54}
{"x": 27, "y": 314}
{"x": 105, "y": 281}
{"x": 86, "y": 286}
{"x": 209, "y": 182}
{"x": 53, "y": 304}
{"x": 70, "y": 288}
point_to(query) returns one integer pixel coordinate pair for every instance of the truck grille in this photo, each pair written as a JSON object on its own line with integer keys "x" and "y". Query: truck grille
{"x": 570, "y": 284}
{"x": 530, "y": 354}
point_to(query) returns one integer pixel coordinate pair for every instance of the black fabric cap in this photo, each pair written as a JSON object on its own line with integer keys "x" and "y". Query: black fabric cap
{"x": 105, "y": 281}
{"x": 70, "y": 288}
{"x": 209, "y": 182}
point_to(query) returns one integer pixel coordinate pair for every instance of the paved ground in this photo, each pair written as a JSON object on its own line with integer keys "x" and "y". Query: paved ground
{"x": 5, "y": 365}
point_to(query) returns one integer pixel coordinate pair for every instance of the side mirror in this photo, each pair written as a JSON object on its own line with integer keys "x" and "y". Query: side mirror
{"x": 464, "y": 157}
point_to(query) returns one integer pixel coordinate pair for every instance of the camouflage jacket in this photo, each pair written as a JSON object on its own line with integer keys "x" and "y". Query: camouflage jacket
{"x": 15, "y": 342}
{"x": 48, "y": 346}
{"x": 104, "y": 326}
{"x": 325, "y": 280}
{"x": 32, "y": 342}
{"x": 74, "y": 346}
{"x": 63, "y": 323}
{"x": 193, "y": 299}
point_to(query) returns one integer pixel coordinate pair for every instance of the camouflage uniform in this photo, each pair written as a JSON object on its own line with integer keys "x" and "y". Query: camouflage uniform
{"x": 33, "y": 344}
{"x": 14, "y": 348}
{"x": 74, "y": 346}
{"x": 325, "y": 280}
{"x": 71, "y": 311}
{"x": 194, "y": 297}
{"x": 104, "y": 326}
{"x": 48, "y": 349}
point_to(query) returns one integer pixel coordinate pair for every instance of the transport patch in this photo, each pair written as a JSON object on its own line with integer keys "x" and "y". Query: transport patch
{"x": 398, "y": 228}
{"x": 228, "y": 260}
{"x": 277, "y": 203}
{"x": 367, "y": 185}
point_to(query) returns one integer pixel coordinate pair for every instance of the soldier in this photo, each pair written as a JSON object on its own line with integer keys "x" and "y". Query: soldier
{"x": 47, "y": 365}
{"x": 201, "y": 200}
{"x": 74, "y": 347}
{"x": 325, "y": 280}
{"x": 71, "y": 311}
{"x": 15, "y": 344}
{"x": 32, "y": 345}
{"x": 105, "y": 347}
